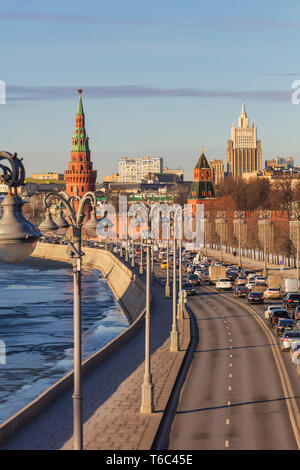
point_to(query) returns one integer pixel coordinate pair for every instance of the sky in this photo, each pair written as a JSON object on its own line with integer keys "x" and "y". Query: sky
{"x": 162, "y": 78}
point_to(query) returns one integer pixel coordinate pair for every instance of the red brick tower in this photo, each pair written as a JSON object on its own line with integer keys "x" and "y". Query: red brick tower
{"x": 80, "y": 173}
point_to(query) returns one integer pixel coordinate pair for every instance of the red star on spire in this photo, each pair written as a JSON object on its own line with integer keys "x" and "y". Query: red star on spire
{"x": 80, "y": 91}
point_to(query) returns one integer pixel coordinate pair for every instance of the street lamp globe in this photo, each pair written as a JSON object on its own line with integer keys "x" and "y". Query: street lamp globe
{"x": 18, "y": 236}
{"x": 91, "y": 225}
{"x": 48, "y": 225}
{"x": 62, "y": 224}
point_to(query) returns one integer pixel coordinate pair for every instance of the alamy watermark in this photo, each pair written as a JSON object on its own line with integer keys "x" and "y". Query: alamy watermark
{"x": 2, "y": 352}
{"x": 296, "y": 94}
{"x": 2, "y": 92}
{"x": 159, "y": 221}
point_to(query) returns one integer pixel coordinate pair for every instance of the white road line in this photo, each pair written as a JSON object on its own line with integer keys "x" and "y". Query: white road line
{"x": 226, "y": 443}
{"x": 227, "y": 421}
{"x": 229, "y": 388}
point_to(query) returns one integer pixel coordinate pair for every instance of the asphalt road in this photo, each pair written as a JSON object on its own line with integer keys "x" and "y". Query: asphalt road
{"x": 232, "y": 397}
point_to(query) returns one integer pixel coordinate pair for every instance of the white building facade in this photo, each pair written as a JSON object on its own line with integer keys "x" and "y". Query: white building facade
{"x": 132, "y": 170}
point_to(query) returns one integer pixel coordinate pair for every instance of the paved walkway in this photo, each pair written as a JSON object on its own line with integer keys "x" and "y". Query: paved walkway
{"x": 251, "y": 263}
{"x": 112, "y": 394}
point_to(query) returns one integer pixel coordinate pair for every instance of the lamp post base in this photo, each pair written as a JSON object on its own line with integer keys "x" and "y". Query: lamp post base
{"x": 265, "y": 272}
{"x": 141, "y": 269}
{"x": 179, "y": 311}
{"x": 174, "y": 341}
{"x": 167, "y": 291}
{"x": 147, "y": 397}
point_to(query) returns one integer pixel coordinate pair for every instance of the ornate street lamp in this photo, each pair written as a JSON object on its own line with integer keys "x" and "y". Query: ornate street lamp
{"x": 147, "y": 386}
{"x": 18, "y": 236}
{"x": 76, "y": 218}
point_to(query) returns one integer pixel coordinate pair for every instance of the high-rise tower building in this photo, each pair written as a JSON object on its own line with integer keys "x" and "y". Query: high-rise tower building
{"x": 243, "y": 150}
{"x": 80, "y": 173}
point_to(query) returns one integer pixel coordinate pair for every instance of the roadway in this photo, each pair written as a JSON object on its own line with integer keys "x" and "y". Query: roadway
{"x": 236, "y": 395}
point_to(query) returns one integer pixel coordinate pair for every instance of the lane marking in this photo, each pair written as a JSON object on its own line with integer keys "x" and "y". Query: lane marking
{"x": 226, "y": 443}
{"x": 227, "y": 421}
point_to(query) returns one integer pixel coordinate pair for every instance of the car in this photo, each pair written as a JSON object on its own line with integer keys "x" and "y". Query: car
{"x": 276, "y": 314}
{"x": 272, "y": 293}
{"x": 284, "y": 324}
{"x": 270, "y": 310}
{"x": 241, "y": 281}
{"x": 259, "y": 287}
{"x": 295, "y": 352}
{"x": 260, "y": 279}
{"x": 223, "y": 283}
{"x": 190, "y": 268}
{"x": 163, "y": 265}
{"x": 288, "y": 338}
{"x": 194, "y": 279}
{"x": 241, "y": 291}
{"x": 297, "y": 313}
{"x": 188, "y": 288}
{"x": 255, "y": 298}
{"x": 291, "y": 300}
{"x": 250, "y": 284}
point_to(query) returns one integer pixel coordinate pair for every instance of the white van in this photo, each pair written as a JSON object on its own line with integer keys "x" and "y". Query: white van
{"x": 290, "y": 285}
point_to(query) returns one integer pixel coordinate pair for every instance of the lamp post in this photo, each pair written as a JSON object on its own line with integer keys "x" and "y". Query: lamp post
{"x": 167, "y": 286}
{"x": 240, "y": 216}
{"x": 174, "y": 333}
{"x": 221, "y": 216}
{"x": 264, "y": 216}
{"x": 180, "y": 303}
{"x": 18, "y": 236}
{"x": 141, "y": 259}
{"x": 147, "y": 386}
{"x": 132, "y": 247}
{"x": 295, "y": 222}
{"x": 74, "y": 250}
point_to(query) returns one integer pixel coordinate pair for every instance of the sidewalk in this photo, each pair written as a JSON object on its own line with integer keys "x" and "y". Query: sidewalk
{"x": 112, "y": 394}
{"x": 251, "y": 263}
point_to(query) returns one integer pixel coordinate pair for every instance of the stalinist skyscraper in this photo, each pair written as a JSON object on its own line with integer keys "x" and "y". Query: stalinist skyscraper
{"x": 243, "y": 150}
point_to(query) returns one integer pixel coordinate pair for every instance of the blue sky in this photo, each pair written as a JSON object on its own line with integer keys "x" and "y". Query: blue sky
{"x": 160, "y": 78}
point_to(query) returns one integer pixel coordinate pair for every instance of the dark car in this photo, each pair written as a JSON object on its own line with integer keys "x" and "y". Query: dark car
{"x": 291, "y": 300}
{"x": 276, "y": 314}
{"x": 255, "y": 298}
{"x": 284, "y": 324}
{"x": 188, "y": 288}
{"x": 297, "y": 313}
{"x": 194, "y": 279}
{"x": 241, "y": 291}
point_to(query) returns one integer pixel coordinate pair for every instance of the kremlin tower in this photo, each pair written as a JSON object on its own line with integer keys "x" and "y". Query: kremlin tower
{"x": 202, "y": 189}
{"x": 80, "y": 173}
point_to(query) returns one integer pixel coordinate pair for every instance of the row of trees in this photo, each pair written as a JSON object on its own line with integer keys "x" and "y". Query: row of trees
{"x": 278, "y": 235}
{"x": 256, "y": 194}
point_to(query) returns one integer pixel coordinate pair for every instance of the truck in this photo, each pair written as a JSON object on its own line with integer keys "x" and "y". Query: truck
{"x": 274, "y": 281}
{"x": 215, "y": 273}
{"x": 290, "y": 285}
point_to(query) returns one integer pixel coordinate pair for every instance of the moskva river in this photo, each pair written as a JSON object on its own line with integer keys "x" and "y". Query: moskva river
{"x": 36, "y": 327}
